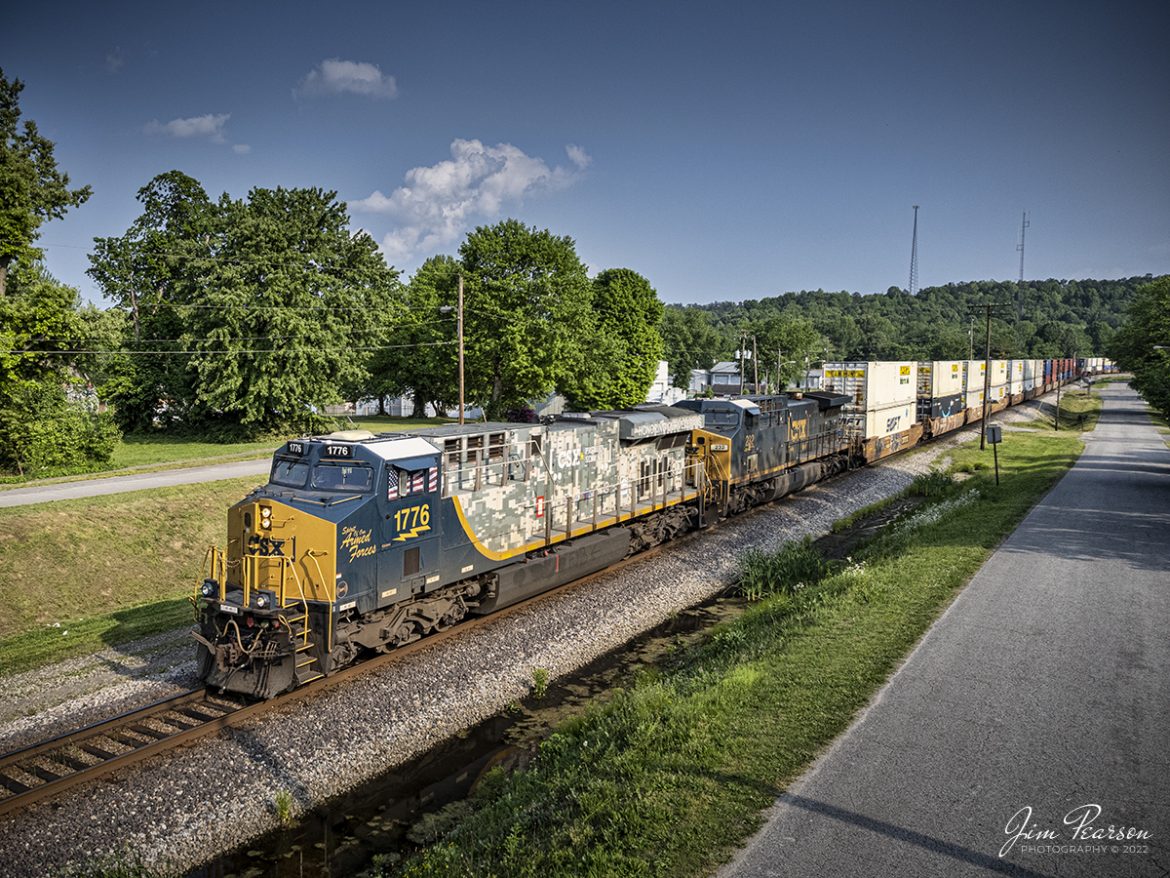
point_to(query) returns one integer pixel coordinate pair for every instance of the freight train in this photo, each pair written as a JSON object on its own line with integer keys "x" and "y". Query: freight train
{"x": 360, "y": 543}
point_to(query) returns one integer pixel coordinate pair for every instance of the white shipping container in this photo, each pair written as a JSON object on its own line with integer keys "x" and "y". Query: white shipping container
{"x": 974, "y": 371}
{"x": 1029, "y": 367}
{"x": 1015, "y": 376}
{"x": 874, "y": 385}
{"x": 1038, "y": 368}
{"x": 974, "y": 399}
{"x": 890, "y": 420}
{"x": 940, "y": 378}
{"x": 999, "y": 373}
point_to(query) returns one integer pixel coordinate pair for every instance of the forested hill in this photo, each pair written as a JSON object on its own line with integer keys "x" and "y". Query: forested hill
{"x": 1036, "y": 318}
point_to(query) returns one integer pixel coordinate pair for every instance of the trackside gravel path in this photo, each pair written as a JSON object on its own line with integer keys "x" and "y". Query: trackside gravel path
{"x": 1045, "y": 686}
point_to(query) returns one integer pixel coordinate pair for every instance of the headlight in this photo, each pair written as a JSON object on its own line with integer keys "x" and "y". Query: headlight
{"x": 266, "y": 517}
{"x": 208, "y": 588}
{"x": 262, "y": 601}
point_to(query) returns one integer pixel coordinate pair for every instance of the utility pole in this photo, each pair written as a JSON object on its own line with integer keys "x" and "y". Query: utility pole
{"x": 914, "y": 255}
{"x": 988, "y": 308}
{"x": 779, "y": 367}
{"x": 1023, "y": 228}
{"x": 742, "y": 352}
{"x": 1056, "y": 370}
{"x": 460, "y": 348}
{"x": 446, "y": 309}
{"x": 1020, "y": 288}
{"x": 755, "y": 366}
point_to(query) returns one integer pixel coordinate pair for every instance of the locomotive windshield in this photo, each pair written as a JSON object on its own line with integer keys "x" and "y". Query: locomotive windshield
{"x": 291, "y": 473}
{"x": 342, "y": 477}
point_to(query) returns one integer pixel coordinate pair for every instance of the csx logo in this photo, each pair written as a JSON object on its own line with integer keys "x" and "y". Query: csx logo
{"x": 266, "y": 546}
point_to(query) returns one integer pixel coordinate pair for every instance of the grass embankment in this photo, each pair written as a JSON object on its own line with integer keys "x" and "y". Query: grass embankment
{"x": 76, "y": 575}
{"x": 670, "y": 776}
{"x": 1079, "y": 411}
{"x": 154, "y": 451}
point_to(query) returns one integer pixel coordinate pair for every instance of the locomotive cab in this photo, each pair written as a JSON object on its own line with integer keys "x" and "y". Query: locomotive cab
{"x": 343, "y": 527}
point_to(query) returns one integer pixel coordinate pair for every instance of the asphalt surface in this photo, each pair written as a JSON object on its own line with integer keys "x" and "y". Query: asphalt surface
{"x": 138, "y": 482}
{"x": 1046, "y": 685}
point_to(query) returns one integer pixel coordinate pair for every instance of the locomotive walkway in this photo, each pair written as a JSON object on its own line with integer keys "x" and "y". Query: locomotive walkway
{"x": 1044, "y": 686}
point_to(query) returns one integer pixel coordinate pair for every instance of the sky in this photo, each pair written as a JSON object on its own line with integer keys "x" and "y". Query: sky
{"x": 725, "y": 151}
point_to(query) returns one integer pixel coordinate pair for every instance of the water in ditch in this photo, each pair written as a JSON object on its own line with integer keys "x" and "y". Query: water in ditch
{"x": 389, "y": 814}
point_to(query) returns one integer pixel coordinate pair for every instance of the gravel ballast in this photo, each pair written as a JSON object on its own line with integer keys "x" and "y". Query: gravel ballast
{"x": 179, "y": 809}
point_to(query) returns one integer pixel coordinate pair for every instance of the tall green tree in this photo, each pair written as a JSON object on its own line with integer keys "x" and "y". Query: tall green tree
{"x": 1142, "y": 345}
{"x": 151, "y": 273}
{"x": 288, "y": 301}
{"x": 527, "y": 318}
{"x": 32, "y": 188}
{"x": 248, "y": 313}
{"x": 421, "y": 353}
{"x": 625, "y": 346}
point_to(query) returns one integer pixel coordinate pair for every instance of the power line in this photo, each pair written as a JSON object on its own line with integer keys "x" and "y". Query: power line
{"x": 289, "y": 350}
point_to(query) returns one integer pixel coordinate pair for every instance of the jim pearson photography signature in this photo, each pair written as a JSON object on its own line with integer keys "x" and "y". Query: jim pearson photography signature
{"x": 1085, "y": 831}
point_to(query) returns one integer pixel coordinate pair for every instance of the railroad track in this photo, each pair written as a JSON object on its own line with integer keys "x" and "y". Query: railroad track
{"x": 57, "y": 764}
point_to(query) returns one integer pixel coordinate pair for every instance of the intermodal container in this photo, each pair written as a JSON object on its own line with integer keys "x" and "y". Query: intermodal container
{"x": 999, "y": 376}
{"x": 1016, "y": 376}
{"x": 889, "y": 420}
{"x": 940, "y": 378}
{"x": 874, "y": 386}
{"x": 975, "y": 371}
{"x": 1029, "y": 367}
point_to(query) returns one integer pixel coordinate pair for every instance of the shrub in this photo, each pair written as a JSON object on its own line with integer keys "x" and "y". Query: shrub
{"x": 782, "y": 572}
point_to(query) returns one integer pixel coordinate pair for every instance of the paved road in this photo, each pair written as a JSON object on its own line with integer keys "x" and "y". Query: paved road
{"x": 121, "y": 484}
{"x": 1045, "y": 685}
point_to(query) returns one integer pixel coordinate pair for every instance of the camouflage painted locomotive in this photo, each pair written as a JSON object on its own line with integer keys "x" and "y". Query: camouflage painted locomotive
{"x": 364, "y": 543}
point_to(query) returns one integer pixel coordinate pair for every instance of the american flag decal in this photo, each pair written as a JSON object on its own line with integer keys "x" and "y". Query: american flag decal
{"x": 433, "y": 479}
{"x": 416, "y": 482}
{"x": 392, "y": 490}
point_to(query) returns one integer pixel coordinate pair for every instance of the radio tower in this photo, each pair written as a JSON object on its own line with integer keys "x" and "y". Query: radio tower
{"x": 1023, "y": 227}
{"x": 914, "y": 255}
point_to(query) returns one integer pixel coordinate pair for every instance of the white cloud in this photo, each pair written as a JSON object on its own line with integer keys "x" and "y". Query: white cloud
{"x": 209, "y": 126}
{"x": 437, "y": 202}
{"x": 578, "y": 156}
{"x": 241, "y": 148}
{"x": 335, "y": 76}
{"x": 115, "y": 60}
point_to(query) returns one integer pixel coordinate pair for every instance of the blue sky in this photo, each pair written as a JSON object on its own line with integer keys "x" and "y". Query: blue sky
{"x": 725, "y": 151}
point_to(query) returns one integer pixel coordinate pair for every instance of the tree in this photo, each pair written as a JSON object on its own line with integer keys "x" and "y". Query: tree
{"x": 247, "y": 313}
{"x": 527, "y": 319}
{"x": 32, "y": 189}
{"x": 150, "y": 274}
{"x": 48, "y": 412}
{"x": 422, "y": 356}
{"x": 1142, "y": 345}
{"x": 794, "y": 340}
{"x": 288, "y": 297}
{"x": 691, "y": 342}
{"x": 626, "y": 344}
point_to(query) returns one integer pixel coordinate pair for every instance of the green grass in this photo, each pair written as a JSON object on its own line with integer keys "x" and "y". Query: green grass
{"x": 105, "y": 569}
{"x": 140, "y": 452}
{"x": 670, "y": 776}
